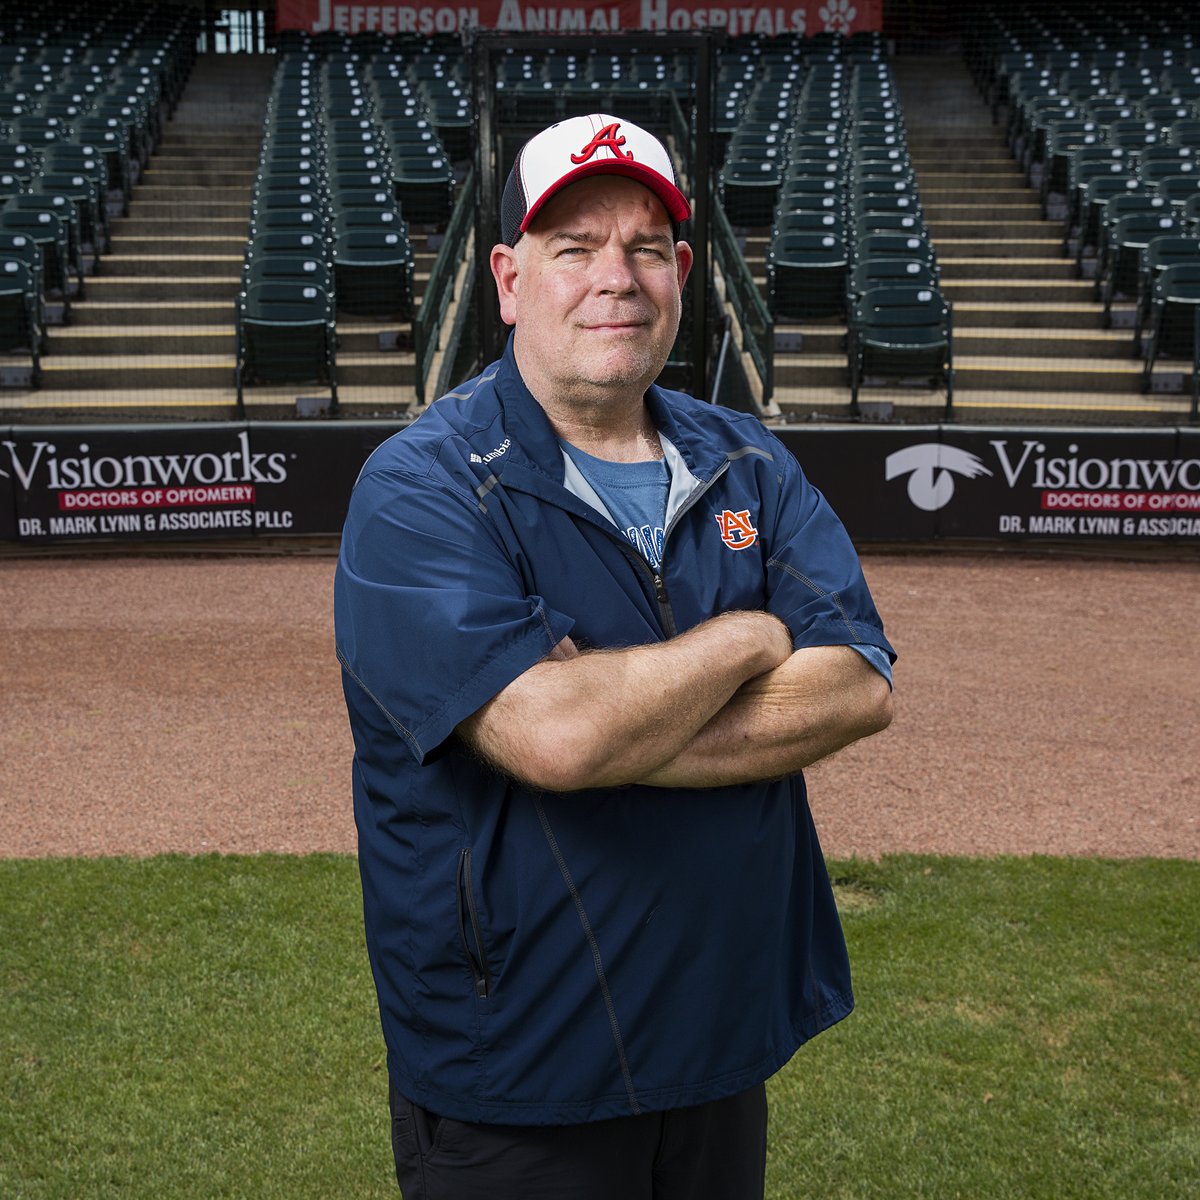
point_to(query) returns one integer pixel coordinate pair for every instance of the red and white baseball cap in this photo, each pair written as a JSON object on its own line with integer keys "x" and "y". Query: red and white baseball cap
{"x": 573, "y": 149}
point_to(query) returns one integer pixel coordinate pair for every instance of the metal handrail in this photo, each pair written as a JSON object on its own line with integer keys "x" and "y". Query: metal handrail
{"x": 749, "y": 307}
{"x": 439, "y": 292}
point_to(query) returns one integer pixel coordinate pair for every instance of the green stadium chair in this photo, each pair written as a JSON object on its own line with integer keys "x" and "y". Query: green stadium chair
{"x": 89, "y": 205}
{"x": 373, "y": 272}
{"x": 1159, "y": 253}
{"x": 1174, "y": 325}
{"x": 274, "y": 266}
{"x": 900, "y": 333}
{"x": 285, "y": 334}
{"x": 20, "y": 327}
{"x": 1123, "y": 255}
{"x": 50, "y": 235}
{"x": 806, "y": 274}
{"x": 59, "y": 205}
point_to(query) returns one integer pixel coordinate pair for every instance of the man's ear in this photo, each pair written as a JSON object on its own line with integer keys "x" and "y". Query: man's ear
{"x": 683, "y": 261}
{"x": 504, "y": 270}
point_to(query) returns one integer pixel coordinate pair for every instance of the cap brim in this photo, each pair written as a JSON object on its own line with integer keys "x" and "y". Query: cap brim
{"x": 674, "y": 201}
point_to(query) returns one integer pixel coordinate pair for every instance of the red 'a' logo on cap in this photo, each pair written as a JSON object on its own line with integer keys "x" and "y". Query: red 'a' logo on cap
{"x": 606, "y": 137}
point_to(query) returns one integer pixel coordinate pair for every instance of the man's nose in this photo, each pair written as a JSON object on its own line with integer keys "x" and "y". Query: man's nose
{"x": 615, "y": 271}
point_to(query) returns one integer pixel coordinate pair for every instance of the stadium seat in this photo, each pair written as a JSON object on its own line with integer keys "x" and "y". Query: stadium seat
{"x": 20, "y": 327}
{"x": 269, "y": 266}
{"x": 806, "y": 274}
{"x": 62, "y": 207}
{"x": 373, "y": 271}
{"x": 899, "y": 333}
{"x": 1174, "y": 324}
{"x": 1118, "y": 277}
{"x": 89, "y": 204}
{"x": 50, "y": 235}
{"x": 1159, "y": 253}
{"x": 285, "y": 334}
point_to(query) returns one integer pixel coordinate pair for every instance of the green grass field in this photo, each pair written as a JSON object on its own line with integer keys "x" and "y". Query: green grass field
{"x": 206, "y": 1027}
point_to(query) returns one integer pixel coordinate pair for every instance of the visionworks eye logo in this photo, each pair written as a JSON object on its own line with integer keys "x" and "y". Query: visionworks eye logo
{"x": 931, "y": 468}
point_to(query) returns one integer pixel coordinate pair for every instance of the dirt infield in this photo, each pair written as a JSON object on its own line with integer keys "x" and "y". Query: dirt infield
{"x": 187, "y": 704}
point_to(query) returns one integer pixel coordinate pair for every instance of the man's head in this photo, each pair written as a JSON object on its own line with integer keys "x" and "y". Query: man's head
{"x": 590, "y": 272}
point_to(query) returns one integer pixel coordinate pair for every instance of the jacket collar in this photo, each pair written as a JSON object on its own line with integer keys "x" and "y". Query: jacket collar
{"x": 535, "y": 445}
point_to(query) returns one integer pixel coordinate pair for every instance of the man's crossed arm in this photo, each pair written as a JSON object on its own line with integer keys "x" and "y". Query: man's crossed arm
{"x": 727, "y": 702}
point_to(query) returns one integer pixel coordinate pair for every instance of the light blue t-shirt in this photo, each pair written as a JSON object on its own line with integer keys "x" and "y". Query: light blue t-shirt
{"x": 635, "y": 494}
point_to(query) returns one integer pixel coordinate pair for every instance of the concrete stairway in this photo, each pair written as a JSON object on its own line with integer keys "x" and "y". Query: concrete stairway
{"x": 1030, "y": 340}
{"x": 153, "y": 335}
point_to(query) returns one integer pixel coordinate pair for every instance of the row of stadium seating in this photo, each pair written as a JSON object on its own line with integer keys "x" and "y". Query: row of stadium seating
{"x": 81, "y": 111}
{"x": 821, "y": 160}
{"x": 1104, "y": 117}
{"x": 350, "y": 158}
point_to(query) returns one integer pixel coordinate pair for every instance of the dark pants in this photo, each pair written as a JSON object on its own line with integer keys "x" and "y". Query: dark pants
{"x": 714, "y": 1151}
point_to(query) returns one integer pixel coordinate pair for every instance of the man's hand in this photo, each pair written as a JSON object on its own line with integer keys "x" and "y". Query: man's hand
{"x": 613, "y": 717}
{"x": 819, "y": 701}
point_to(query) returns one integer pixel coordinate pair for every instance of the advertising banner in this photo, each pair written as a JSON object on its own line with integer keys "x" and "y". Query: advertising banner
{"x": 804, "y": 17}
{"x": 322, "y": 462}
{"x": 1066, "y": 485}
{"x": 918, "y": 483}
{"x": 8, "y": 499}
{"x": 849, "y": 468}
{"x": 165, "y": 482}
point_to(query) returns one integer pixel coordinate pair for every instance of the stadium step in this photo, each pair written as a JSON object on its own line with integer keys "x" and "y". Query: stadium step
{"x": 1027, "y": 314}
{"x": 152, "y": 266}
{"x": 157, "y": 228}
{"x": 981, "y": 340}
{"x": 142, "y": 403}
{"x": 139, "y": 370}
{"x": 1029, "y": 335}
{"x": 1018, "y": 289}
{"x": 168, "y": 245}
{"x": 212, "y": 333}
{"x": 980, "y": 371}
{"x": 168, "y": 283}
{"x": 995, "y": 266}
{"x": 172, "y": 175}
{"x": 162, "y": 289}
{"x": 193, "y": 209}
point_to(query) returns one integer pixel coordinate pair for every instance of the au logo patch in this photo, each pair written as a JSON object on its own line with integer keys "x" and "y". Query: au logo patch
{"x": 737, "y": 531}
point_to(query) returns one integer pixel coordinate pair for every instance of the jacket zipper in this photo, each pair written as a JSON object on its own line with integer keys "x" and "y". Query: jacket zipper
{"x": 666, "y": 615}
{"x": 468, "y": 912}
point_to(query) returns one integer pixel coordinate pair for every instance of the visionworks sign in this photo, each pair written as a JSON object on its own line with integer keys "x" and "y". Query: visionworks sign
{"x": 905, "y": 483}
{"x": 66, "y": 484}
{"x": 953, "y": 482}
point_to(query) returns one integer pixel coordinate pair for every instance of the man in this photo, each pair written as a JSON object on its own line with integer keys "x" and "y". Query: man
{"x": 591, "y": 632}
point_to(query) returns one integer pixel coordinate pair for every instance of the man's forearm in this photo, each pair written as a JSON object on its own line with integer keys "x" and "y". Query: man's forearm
{"x": 614, "y": 717}
{"x": 820, "y": 700}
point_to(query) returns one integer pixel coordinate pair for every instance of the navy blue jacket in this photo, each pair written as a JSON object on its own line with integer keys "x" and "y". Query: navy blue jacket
{"x": 544, "y": 958}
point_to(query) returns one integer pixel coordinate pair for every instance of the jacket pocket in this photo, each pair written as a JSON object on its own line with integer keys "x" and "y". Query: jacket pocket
{"x": 469, "y": 931}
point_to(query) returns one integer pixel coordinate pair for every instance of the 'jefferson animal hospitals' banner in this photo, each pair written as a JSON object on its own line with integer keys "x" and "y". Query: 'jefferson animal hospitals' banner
{"x": 658, "y": 16}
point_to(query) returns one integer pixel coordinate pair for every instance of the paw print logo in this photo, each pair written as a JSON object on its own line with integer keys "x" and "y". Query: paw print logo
{"x": 838, "y": 15}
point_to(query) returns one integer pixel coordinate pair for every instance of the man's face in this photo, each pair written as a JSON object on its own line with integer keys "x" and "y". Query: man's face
{"x": 593, "y": 289}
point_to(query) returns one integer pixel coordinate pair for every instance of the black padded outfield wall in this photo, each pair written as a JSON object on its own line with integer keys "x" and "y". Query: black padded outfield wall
{"x": 166, "y": 482}
{"x": 61, "y": 485}
{"x": 941, "y": 483}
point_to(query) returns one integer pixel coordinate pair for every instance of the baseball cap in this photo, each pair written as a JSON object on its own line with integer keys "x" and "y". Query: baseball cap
{"x": 598, "y": 144}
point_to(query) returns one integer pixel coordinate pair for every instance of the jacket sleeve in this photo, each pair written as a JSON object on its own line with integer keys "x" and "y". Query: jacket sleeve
{"x": 815, "y": 584}
{"x": 430, "y": 614}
